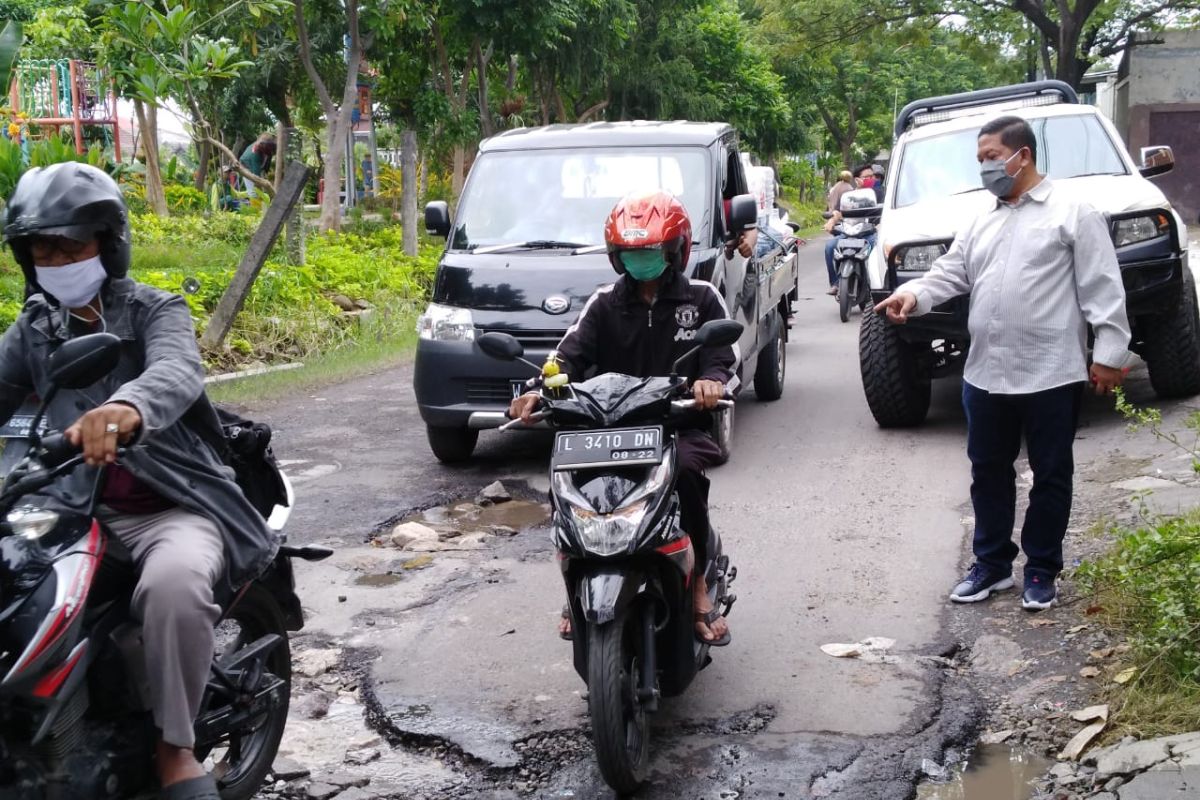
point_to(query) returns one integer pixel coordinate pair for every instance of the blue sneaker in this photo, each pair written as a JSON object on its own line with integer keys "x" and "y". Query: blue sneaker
{"x": 979, "y": 584}
{"x": 1040, "y": 592}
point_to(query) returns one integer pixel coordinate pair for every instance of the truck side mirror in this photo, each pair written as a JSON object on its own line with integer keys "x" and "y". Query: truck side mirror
{"x": 437, "y": 218}
{"x": 743, "y": 213}
{"x": 1156, "y": 161}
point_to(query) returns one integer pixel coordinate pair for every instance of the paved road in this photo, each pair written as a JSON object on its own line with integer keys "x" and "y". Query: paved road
{"x": 840, "y": 531}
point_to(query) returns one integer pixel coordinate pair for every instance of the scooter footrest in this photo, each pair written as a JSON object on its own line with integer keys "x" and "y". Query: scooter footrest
{"x": 729, "y": 601}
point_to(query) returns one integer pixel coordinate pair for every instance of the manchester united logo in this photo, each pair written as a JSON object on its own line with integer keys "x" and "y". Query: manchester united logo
{"x": 687, "y": 316}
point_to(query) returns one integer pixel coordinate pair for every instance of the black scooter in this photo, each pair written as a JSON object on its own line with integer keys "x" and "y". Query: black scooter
{"x": 74, "y": 714}
{"x": 626, "y": 562}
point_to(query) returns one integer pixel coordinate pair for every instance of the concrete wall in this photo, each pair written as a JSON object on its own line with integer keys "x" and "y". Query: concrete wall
{"x": 1161, "y": 101}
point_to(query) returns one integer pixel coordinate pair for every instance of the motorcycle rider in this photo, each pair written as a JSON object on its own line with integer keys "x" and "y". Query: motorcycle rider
{"x": 193, "y": 536}
{"x": 639, "y": 326}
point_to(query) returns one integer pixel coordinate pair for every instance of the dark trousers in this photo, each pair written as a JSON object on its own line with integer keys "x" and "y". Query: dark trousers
{"x": 995, "y": 426}
{"x": 697, "y": 452}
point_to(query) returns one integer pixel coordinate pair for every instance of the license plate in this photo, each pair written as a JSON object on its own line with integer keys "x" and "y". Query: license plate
{"x": 617, "y": 447}
{"x": 18, "y": 427}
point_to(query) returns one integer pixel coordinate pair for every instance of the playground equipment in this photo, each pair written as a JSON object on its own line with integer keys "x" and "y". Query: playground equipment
{"x": 60, "y": 92}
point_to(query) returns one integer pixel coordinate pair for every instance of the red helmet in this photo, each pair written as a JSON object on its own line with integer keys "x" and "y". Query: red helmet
{"x": 651, "y": 221}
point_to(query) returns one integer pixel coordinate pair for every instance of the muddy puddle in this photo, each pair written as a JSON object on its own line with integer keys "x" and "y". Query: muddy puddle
{"x": 377, "y": 579}
{"x": 467, "y": 517}
{"x": 994, "y": 772}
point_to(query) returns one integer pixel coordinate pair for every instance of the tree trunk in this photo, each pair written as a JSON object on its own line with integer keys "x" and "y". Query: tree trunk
{"x": 482, "y": 58}
{"x": 408, "y": 190}
{"x": 330, "y": 218}
{"x": 204, "y": 155}
{"x": 458, "y": 162}
{"x": 147, "y": 115}
{"x": 281, "y": 148}
{"x": 422, "y": 180}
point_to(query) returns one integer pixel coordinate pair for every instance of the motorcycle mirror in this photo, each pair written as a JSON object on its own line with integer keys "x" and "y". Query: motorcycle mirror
{"x": 84, "y": 360}
{"x": 719, "y": 333}
{"x": 743, "y": 213}
{"x": 500, "y": 346}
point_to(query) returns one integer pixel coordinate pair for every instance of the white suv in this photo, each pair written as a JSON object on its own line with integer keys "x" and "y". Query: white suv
{"x": 934, "y": 188}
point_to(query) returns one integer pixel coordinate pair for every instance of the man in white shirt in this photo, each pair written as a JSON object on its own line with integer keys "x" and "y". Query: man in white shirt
{"x": 1040, "y": 266}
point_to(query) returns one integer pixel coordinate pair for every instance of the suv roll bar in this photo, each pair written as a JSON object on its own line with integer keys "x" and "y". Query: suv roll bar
{"x": 982, "y": 97}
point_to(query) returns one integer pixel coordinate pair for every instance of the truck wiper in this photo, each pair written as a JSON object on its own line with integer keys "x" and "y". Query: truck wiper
{"x": 533, "y": 244}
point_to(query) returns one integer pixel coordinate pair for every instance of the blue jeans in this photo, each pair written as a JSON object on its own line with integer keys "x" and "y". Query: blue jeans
{"x": 996, "y": 424}
{"x": 829, "y": 267}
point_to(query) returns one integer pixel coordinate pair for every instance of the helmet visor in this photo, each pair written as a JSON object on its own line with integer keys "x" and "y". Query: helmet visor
{"x": 644, "y": 265}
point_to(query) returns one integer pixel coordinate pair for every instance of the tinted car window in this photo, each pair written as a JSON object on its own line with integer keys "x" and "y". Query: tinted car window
{"x": 1068, "y": 147}
{"x": 565, "y": 195}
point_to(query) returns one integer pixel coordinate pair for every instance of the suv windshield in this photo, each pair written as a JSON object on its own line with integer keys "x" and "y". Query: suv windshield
{"x": 1068, "y": 147}
{"x": 564, "y": 195}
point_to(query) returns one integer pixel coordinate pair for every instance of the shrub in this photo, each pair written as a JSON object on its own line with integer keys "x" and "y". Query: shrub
{"x": 185, "y": 199}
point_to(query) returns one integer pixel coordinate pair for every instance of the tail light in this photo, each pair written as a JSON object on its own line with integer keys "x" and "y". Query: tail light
{"x": 74, "y": 573}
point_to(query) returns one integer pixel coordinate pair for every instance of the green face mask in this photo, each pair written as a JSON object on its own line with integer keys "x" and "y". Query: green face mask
{"x": 643, "y": 265}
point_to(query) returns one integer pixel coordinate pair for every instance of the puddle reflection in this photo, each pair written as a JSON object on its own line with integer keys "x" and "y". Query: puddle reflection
{"x": 994, "y": 772}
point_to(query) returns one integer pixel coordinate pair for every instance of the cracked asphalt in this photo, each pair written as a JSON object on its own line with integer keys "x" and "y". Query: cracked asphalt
{"x": 840, "y": 531}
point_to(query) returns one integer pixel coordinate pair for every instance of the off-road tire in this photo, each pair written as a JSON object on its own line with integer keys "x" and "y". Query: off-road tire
{"x": 451, "y": 445}
{"x": 771, "y": 369}
{"x": 1172, "y": 345}
{"x": 897, "y": 392}
{"x": 722, "y": 432}
{"x": 257, "y": 614}
{"x": 611, "y": 654}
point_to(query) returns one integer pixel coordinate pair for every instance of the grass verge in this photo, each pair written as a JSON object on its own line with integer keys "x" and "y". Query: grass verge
{"x": 360, "y": 357}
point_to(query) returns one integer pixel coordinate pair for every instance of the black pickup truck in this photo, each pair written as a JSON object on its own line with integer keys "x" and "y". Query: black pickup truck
{"x": 525, "y": 250}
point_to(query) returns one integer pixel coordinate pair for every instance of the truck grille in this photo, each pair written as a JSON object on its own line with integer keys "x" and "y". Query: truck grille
{"x": 530, "y": 339}
{"x": 489, "y": 390}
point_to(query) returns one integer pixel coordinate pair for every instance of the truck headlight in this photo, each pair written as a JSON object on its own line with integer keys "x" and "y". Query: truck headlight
{"x": 1145, "y": 227}
{"x": 916, "y": 257}
{"x": 446, "y": 324}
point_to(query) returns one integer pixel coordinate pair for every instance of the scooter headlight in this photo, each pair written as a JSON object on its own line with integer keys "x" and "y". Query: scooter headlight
{"x": 608, "y": 534}
{"x": 32, "y": 523}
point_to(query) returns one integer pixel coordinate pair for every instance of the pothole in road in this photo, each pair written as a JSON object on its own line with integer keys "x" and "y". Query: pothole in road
{"x": 469, "y": 517}
{"x": 993, "y": 772}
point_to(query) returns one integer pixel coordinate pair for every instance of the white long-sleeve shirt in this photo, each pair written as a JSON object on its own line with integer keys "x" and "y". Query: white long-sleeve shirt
{"x": 1039, "y": 270}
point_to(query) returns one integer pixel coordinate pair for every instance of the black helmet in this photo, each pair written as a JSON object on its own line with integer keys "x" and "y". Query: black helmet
{"x": 74, "y": 200}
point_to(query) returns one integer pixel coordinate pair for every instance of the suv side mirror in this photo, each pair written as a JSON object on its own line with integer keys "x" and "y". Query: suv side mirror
{"x": 500, "y": 346}
{"x": 719, "y": 333}
{"x": 437, "y": 218}
{"x": 1156, "y": 161}
{"x": 84, "y": 360}
{"x": 743, "y": 213}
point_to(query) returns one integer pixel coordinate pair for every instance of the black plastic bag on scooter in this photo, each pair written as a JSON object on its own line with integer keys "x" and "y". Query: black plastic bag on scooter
{"x": 248, "y": 450}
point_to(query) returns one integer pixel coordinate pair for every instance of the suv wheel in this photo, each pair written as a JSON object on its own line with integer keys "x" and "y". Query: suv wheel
{"x": 897, "y": 392}
{"x": 451, "y": 445}
{"x": 1172, "y": 345}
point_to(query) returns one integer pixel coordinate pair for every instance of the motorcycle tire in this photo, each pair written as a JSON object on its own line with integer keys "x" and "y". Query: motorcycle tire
{"x": 248, "y": 754}
{"x": 620, "y": 725}
{"x": 846, "y": 292}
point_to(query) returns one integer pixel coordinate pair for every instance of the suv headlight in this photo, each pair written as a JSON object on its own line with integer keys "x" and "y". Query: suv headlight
{"x": 1132, "y": 230}
{"x": 32, "y": 523}
{"x": 446, "y": 324}
{"x": 916, "y": 257}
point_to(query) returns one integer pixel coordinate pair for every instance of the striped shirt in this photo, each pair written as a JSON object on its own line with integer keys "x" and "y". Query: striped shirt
{"x": 1039, "y": 270}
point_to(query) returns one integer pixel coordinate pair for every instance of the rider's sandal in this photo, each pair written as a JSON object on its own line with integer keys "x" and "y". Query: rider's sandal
{"x": 202, "y": 788}
{"x": 708, "y": 619}
{"x": 566, "y": 614}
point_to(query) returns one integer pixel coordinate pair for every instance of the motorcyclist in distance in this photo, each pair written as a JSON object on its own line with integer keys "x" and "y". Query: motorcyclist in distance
{"x": 639, "y": 326}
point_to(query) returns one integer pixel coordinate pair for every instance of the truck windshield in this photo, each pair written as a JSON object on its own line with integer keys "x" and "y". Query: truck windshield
{"x": 1068, "y": 147}
{"x": 564, "y": 195}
